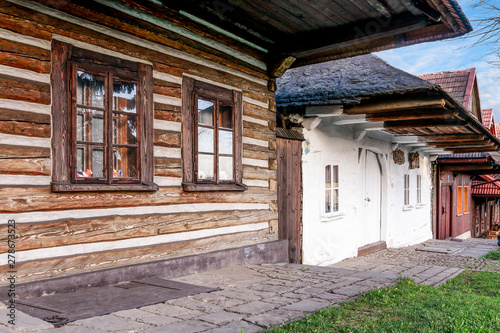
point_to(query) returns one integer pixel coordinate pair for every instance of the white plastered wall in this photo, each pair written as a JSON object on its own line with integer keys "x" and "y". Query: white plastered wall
{"x": 329, "y": 240}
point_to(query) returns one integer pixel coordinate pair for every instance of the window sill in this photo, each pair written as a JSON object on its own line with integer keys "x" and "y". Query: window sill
{"x": 333, "y": 217}
{"x": 69, "y": 187}
{"x": 192, "y": 187}
{"x": 407, "y": 208}
{"x": 419, "y": 206}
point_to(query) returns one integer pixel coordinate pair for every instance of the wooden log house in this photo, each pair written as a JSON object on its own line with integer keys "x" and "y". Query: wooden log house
{"x": 132, "y": 132}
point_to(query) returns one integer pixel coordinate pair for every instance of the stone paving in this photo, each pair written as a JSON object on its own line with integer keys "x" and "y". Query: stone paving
{"x": 255, "y": 297}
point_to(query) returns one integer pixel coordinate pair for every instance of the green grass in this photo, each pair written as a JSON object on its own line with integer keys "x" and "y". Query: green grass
{"x": 495, "y": 255}
{"x": 468, "y": 303}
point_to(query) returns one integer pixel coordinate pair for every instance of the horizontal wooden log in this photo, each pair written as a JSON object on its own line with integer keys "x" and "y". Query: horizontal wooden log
{"x": 40, "y": 199}
{"x": 23, "y": 116}
{"x": 50, "y": 268}
{"x": 167, "y": 91}
{"x": 167, "y": 112}
{"x": 25, "y": 128}
{"x": 165, "y": 163}
{"x": 51, "y": 234}
{"x": 167, "y": 139}
{"x": 258, "y": 112}
{"x": 261, "y": 96}
{"x": 413, "y": 115}
{"x": 17, "y": 23}
{"x": 23, "y": 152}
{"x": 11, "y": 88}
{"x": 19, "y": 49}
{"x": 252, "y": 172}
{"x": 35, "y": 65}
{"x": 25, "y": 166}
{"x": 452, "y": 138}
{"x": 257, "y": 152}
{"x": 397, "y": 105}
{"x": 259, "y": 135}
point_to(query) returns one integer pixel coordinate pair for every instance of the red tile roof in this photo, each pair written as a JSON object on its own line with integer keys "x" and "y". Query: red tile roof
{"x": 456, "y": 83}
{"x": 487, "y": 117}
{"x": 486, "y": 186}
{"x": 497, "y": 130}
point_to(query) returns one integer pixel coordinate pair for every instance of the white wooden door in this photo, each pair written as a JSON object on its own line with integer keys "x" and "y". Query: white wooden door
{"x": 372, "y": 199}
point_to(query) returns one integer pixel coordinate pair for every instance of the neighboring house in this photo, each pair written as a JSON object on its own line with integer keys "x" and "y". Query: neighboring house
{"x": 370, "y": 130}
{"x": 133, "y": 132}
{"x": 485, "y": 190}
{"x": 454, "y": 171}
{"x": 489, "y": 120}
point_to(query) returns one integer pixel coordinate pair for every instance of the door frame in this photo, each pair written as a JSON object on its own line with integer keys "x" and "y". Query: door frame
{"x": 439, "y": 209}
{"x": 384, "y": 167}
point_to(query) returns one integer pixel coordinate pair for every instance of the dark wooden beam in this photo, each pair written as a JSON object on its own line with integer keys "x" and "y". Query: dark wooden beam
{"x": 474, "y": 150}
{"x": 422, "y": 123}
{"x": 467, "y": 167}
{"x": 452, "y": 138}
{"x": 413, "y": 115}
{"x": 470, "y": 144}
{"x": 279, "y": 68}
{"x": 329, "y": 39}
{"x": 397, "y": 105}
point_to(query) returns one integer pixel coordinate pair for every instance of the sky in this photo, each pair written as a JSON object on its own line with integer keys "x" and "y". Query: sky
{"x": 454, "y": 54}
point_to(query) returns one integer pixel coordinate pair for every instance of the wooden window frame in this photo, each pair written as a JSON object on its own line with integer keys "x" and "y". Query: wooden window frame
{"x": 466, "y": 199}
{"x": 459, "y": 200}
{"x": 64, "y": 59}
{"x": 192, "y": 88}
{"x": 331, "y": 188}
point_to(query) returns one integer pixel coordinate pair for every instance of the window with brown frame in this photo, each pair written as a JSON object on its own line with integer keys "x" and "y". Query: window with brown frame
{"x": 459, "y": 201}
{"x": 103, "y": 115}
{"x": 212, "y": 137}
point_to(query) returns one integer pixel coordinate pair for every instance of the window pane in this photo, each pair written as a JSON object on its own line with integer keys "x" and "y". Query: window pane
{"x": 225, "y": 142}
{"x": 205, "y": 112}
{"x": 205, "y": 167}
{"x": 90, "y": 89}
{"x": 328, "y": 176}
{"x": 124, "y": 129}
{"x": 125, "y": 163}
{"x": 225, "y": 116}
{"x": 335, "y": 176}
{"x": 98, "y": 162}
{"x": 124, "y": 96}
{"x": 335, "y": 201}
{"x": 89, "y": 161}
{"x": 328, "y": 201}
{"x": 205, "y": 140}
{"x": 225, "y": 168}
{"x": 90, "y": 125}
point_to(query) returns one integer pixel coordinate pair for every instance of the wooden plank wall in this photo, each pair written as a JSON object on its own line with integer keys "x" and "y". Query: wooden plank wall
{"x": 69, "y": 233}
{"x": 290, "y": 196}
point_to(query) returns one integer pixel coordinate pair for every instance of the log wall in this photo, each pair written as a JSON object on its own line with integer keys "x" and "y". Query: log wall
{"x": 68, "y": 233}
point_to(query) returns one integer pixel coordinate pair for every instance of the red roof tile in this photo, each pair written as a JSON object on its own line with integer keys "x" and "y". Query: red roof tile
{"x": 497, "y": 130}
{"x": 456, "y": 83}
{"x": 487, "y": 117}
{"x": 487, "y": 186}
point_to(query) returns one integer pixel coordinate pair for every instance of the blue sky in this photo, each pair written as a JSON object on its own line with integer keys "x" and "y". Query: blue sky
{"x": 453, "y": 54}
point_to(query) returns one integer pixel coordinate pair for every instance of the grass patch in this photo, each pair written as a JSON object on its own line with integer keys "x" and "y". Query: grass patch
{"x": 468, "y": 303}
{"x": 495, "y": 255}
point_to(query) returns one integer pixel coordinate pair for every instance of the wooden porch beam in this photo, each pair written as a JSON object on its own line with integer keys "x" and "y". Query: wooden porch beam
{"x": 315, "y": 42}
{"x": 474, "y": 150}
{"x": 373, "y": 108}
{"x": 410, "y": 124}
{"x": 279, "y": 68}
{"x": 469, "y": 167}
{"x": 413, "y": 115}
{"x": 464, "y": 144}
{"x": 452, "y": 138}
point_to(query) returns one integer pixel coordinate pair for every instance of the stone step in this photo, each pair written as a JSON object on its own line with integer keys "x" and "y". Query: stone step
{"x": 370, "y": 248}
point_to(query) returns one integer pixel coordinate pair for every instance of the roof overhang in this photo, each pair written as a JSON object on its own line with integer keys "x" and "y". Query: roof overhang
{"x": 430, "y": 121}
{"x": 305, "y": 32}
